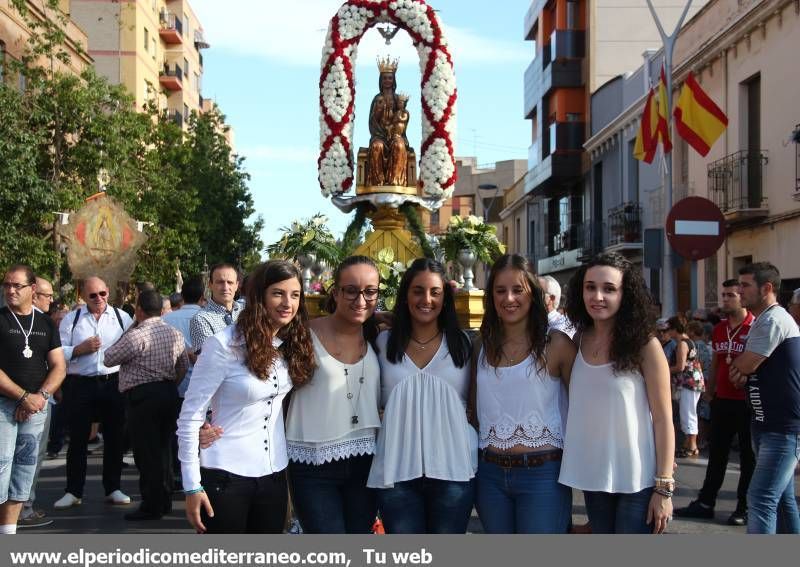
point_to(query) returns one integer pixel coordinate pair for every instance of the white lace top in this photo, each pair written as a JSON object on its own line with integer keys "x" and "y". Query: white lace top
{"x": 319, "y": 423}
{"x": 425, "y": 430}
{"x": 518, "y": 405}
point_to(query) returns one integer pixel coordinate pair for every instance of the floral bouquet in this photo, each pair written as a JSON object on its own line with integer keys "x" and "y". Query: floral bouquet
{"x": 391, "y": 272}
{"x": 309, "y": 238}
{"x": 471, "y": 233}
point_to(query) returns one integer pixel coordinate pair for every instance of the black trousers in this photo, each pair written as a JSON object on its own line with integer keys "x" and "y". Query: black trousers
{"x": 89, "y": 399}
{"x": 728, "y": 418}
{"x": 244, "y": 505}
{"x": 151, "y": 422}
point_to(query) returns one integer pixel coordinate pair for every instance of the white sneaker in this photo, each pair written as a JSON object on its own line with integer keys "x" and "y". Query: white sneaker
{"x": 67, "y": 501}
{"x": 118, "y": 498}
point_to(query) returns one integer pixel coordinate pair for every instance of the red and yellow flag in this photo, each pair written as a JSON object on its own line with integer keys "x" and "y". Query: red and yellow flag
{"x": 663, "y": 112}
{"x": 698, "y": 119}
{"x": 644, "y": 148}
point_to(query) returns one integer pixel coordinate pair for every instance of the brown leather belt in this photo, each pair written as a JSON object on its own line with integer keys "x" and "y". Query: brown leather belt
{"x": 528, "y": 460}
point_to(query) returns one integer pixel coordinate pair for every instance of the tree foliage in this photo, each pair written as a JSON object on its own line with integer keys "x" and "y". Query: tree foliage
{"x": 56, "y": 136}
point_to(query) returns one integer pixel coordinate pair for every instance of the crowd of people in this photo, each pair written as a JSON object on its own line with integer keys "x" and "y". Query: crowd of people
{"x": 404, "y": 416}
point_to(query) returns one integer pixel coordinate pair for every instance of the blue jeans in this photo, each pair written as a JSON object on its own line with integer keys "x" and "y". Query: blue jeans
{"x": 427, "y": 505}
{"x": 333, "y": 498}
{"x": 618, "y": 513}
{"x": 523, "y": 500}
{"x": 771, "y": 504}
{"x": 19, "y": 450}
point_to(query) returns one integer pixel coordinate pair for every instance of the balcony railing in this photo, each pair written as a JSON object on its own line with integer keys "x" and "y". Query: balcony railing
{"x": 171, "y": 78}
{"x": 625, "y": 225}
{"x": 171, "y": 28}
{"x": 735, "y": 184}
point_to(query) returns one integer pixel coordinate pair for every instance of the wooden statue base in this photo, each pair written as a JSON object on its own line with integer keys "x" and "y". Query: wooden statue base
{"x": 469, "y": 308}
{"x": 314, "y": 303}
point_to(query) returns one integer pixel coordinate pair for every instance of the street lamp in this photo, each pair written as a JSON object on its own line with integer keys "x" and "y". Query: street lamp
{"x": 489, "y": 187}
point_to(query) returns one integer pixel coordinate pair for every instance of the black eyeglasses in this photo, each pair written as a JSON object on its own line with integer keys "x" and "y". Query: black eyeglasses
{"x": 351, "y": 293}
{"x": 15, "y": 286}
{"x": 98, "y": 294}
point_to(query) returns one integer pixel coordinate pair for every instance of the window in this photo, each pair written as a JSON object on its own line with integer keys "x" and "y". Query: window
{"x": 434, "y": 227}
{"x": 154, "y": 5}
{"x": 186, "y": 67}
{"x": 572, "y": 14}
{"x": 153, "y": 47}
{"x": 574, "y": 116}
{"x": 185, "y": 112}
{"x": 456, "y": 206}
{"x": 518, "y": 236}
{"x": 197, "y": 82}
{"x": 146, "y": 39}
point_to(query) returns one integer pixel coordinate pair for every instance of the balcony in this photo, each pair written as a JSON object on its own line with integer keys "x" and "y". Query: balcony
{"x": 624, "y": 228}
{"x": 564, "y": 44}
{"x": 735, "y": 184}
{"x": 568, "y": 249}
{"x": 541, "y": 78}
{"x": 171, "y": 79}
{"x": 171, "y": 30}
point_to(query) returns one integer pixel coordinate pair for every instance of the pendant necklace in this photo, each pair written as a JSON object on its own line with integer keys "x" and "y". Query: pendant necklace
{"x": 422, "y": 345}
{"x": 729, "y": 358}
{"x": 26, "y": 352}
{"x": 354, "y": 405}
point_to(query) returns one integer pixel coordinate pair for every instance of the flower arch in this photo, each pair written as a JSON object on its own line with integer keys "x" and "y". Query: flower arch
{"x": 437, "y": 171}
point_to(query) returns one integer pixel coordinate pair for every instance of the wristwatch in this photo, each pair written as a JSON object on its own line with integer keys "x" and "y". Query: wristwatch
{"x": 45, "y": 394}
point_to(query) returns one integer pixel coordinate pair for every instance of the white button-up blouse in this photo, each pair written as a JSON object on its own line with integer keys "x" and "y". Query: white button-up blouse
{"x": 249, "y": 410}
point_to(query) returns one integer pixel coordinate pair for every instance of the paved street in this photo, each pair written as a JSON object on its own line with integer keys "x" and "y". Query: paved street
{"x": 94, "y": 516}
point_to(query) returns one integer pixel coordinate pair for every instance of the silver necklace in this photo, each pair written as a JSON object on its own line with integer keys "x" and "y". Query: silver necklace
{"x": 26, "y": 352}
{"x": 354, "y": 406}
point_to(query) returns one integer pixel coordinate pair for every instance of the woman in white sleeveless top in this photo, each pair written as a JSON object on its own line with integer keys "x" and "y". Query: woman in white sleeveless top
{"x": 620, "y": 441}
{"x": 426, "y": 454}
{"x": 333, "y": 420}
{"x": 519, "y": 370}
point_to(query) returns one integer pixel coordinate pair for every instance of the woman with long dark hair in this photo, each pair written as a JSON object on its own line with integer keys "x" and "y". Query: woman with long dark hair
{"x": 520, "y": 369}
{"x": 238, "y": 485}
{"x": 426, "y": 454}
{"x": 332, "y": 421}
{"x": 620, "y": 440}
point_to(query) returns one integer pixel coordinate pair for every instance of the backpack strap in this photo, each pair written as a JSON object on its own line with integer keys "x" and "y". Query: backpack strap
{"x": 75, "y": 322}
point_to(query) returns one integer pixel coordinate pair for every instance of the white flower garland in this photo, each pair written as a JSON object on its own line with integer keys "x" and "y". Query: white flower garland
{"x": 437, "y": 172}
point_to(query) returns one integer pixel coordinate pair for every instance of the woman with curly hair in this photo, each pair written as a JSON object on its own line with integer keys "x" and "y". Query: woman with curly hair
{"x": 518, "y": 373}
{"x": 238, "y": 485}
{"x": 426, "y": 454}
{"x": 332, "y": 421}
{"x": 620, "y": 440}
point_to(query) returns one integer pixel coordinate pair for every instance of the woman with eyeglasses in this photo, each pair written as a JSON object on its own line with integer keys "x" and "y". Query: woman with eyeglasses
{"x": 426, "y": 455}
{"x": 333, "y": 420}
{"x": 516, "y": 396}
{"x": 238, "y": 484}
{"x": 619, "y": 441}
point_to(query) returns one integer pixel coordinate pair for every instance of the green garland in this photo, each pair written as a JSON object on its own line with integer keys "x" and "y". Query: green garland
{"x": 353, "y": 232}
{"x": 415, "y": 224}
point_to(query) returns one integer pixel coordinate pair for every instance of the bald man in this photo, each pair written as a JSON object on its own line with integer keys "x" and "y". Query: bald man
{"x": 43, "y": 296}
{"x": 92, "y": 390}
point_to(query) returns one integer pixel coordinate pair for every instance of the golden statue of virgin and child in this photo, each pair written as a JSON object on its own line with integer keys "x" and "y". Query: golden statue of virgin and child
{"x": 389, "y": 161}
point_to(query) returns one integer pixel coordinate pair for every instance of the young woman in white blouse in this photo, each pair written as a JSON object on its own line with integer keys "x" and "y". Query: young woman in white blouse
{"x": 238, "y": 485}
{"x": 332, "y": 421}
{"x": 520, "y": 370}
{"x": 426, "y": 455}
{"x": 620, "y": 440}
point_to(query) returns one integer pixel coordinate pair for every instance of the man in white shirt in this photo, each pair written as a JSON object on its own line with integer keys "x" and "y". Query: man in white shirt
{"x": 91, "y": 391}
{"x": 552, "y": 298}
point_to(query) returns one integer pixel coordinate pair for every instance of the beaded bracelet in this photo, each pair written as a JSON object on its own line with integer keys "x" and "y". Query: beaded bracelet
{"x": 663, "y": 492}
{"x": 22, "y": 398}
{"x": 194, "y": 491}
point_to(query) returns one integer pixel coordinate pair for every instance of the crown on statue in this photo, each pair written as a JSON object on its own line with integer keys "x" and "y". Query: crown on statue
{"x": 387, "y": 65}
{"x": 402, "y": 97}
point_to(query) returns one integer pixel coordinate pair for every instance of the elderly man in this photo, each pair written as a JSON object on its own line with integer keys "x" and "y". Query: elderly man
{"x": 43, "y": 296}
{"x": 152, "y": 358}
{"x": 769, "y": 370}
{"x": 221, "y": 310}
{"x": 552, "y": 297}
{"x": 92, "y": 390}
{"x": 31, "y": 368}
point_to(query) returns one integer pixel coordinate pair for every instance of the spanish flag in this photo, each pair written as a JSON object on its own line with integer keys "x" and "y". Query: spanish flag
{"x": 663, "y": 112}
{"x": 698, "y": 119}
{"x": 644, "y": 149}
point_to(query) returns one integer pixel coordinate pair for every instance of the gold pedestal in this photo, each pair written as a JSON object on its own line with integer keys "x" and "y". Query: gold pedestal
{"x": 469, "y": 308}
{"x": 390, "y": 231}
{"x": 314, "y": 304}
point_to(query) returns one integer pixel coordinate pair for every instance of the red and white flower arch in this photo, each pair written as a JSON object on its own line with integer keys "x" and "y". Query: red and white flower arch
{"x": 437, "y": 171}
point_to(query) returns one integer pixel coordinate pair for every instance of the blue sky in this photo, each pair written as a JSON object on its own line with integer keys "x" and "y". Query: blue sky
{"x": 263, "y": 71}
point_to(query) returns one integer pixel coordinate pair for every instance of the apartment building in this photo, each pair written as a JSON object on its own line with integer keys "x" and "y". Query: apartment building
{"x": 579, "y": 46}
{"x": 741, "y": 53}
{"x": 152, "y": 47}
{"x": 14, "y": 35}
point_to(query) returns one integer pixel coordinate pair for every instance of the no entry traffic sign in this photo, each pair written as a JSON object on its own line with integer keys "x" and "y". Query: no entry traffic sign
{"x": 695, "y": 228}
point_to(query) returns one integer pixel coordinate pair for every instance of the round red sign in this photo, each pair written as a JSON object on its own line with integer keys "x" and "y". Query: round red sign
{"x": 695, "y": 228}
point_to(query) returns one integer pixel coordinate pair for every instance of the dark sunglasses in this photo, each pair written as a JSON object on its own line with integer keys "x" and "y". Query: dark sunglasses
{"x": 99, "y": 293}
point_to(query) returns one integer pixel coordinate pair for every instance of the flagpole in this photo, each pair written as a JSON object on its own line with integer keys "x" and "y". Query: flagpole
{"x": 669, "y": 301}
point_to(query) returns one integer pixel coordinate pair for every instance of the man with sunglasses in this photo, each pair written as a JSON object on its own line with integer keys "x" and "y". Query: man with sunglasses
{"x": 91, "y": 391}
{"x": 31, "y": 368}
